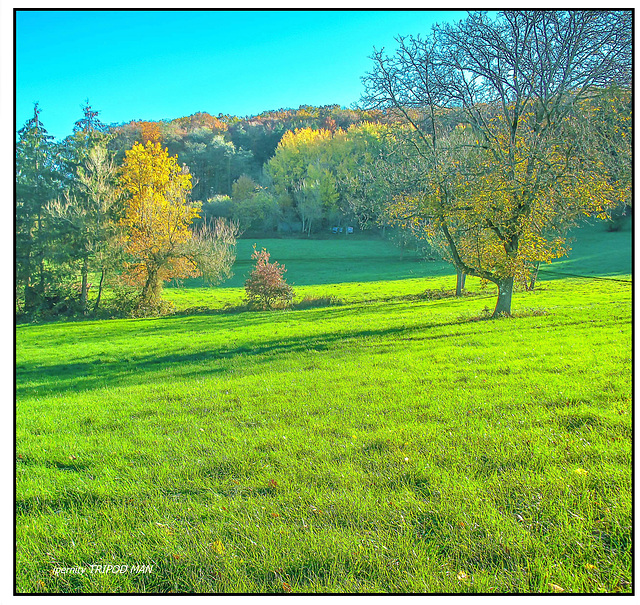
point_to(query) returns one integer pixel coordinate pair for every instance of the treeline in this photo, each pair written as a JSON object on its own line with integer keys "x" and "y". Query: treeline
{"x": 124, "y": 219}
{"x": 220, "y": 149}
{"x": 83, "y": 222}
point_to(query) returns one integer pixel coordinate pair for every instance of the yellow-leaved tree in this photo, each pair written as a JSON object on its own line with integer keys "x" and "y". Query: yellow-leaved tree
{"x": 159, "y": 242}
{"x": 302, "y": 174}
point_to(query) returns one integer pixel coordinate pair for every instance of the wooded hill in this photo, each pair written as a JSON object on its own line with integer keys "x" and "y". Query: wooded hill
{"x": 219, "y": 149}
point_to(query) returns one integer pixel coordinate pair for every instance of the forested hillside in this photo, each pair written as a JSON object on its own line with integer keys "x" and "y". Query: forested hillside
{"x": 489, "y": 177}
{"x": 92, "y": 210}
{"x": 219, "y": 149}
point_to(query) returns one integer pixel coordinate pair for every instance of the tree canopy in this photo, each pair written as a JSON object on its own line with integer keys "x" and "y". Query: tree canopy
{"x": 487, "y": 139}
{"x": 501, "y": 149}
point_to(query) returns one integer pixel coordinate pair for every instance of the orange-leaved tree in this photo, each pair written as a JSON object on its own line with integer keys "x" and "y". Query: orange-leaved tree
{"x": 158, "y": 214}
{"x": 266, "y": 287}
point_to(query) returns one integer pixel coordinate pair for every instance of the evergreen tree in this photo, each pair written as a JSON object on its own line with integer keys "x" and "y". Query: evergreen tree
{"x": 37, "y": 183}
{"x": 89, "y": 123}
{"x": 85, "y": 225}
{"x": 86, "y": 221}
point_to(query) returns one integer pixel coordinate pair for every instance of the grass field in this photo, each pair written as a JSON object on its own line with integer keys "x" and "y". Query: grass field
{"x": 389, "y": 444}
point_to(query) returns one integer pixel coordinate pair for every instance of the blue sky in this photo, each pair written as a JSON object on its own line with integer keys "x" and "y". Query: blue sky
{"x": 152, "y": 65}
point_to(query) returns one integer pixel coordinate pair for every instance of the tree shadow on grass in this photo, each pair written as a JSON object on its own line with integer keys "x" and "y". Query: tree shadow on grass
{"x": 33, "y": 379}
{"x": 72, "y": 466}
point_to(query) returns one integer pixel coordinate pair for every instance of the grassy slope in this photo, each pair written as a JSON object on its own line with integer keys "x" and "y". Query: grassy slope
{"x": 382, "y": 446}
{"x": 330, "y": 261}
{"x": 359, "y": 270}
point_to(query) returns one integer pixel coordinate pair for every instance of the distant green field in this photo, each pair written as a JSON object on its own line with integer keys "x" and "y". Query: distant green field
{"x": 595, "y": 251}
{"x": 388, "y": 444}
{"x": 331, "y": 261}
{"x": 340, "y": 259}
{"x": 362, "y": 270}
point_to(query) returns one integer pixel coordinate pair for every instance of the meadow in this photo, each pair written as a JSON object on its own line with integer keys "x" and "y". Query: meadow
{"x": 394, "y": 442}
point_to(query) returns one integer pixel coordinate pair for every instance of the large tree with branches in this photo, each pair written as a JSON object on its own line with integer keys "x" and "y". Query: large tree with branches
{"x": 501, "y": 153}
{"x": 159, "y": 241}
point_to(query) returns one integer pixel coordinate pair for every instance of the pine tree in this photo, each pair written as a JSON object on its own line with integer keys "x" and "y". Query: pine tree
{"x": 37, "y": 183}
{"x": 86, "y": 218}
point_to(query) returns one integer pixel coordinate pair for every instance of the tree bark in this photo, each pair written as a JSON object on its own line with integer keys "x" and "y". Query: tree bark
{"x": 151, "y": 289}
{"x": 505, "y": 290}
{"x": 95, "y": 308}
{"x": 84, "y": 288}
{"x": 29, "y": 299}
{"x": 40, "y": 252}
{"x": 534, "y": 277}
{"x": 460, "y": 279}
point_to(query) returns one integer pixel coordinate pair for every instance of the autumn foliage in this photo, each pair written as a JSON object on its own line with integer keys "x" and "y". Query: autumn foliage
{"x": 156, "y": 219}
{"x": 266, "y": 287}
{"x": 498, "y": 180}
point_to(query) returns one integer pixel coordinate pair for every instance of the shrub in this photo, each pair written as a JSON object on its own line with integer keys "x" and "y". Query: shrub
{"x": 124, "y": 300}
{"x": 127, "y": 302}
{"x": 266, "y": 287}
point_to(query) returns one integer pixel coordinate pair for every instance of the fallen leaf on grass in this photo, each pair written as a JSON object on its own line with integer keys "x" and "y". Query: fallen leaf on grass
{"x": 580, "y": 471}
{"x": 218, "y": 546}
{"x": 286, "y": 587}
{"x": 590, "y": 567}
{"x": 556, "y": 588}
{"x": 462, "y": 576}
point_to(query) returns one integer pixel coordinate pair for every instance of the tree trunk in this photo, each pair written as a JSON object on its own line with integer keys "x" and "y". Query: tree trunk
{"x": 95, "y": 308}
{"x": 460, "y": 279}
{"x": 29, "y": 300}
{"x": 41, "y": 252}
{"x": 505, "y": 290}
{"x": 534, "y": 276}
{"x": 84, "y": 288}
{"x": 152, "y": 289}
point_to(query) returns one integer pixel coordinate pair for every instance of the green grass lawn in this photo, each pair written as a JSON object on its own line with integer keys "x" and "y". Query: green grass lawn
{"x": 594, "y": 251}
{"x": 332, "y": 261}
{"x": 356, "y": 270}
{"x": 383, "y": 445}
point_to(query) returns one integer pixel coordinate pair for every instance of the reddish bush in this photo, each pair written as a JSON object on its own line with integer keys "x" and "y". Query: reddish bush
{"x": 266, "y": 287}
